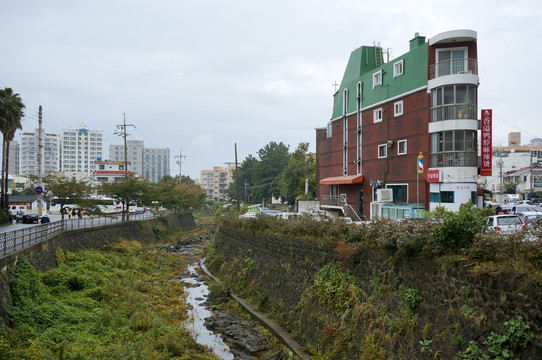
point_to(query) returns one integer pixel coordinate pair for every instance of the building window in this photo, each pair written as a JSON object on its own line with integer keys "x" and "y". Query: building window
{"x": 377, "y": 79}
{"x": 447, "y": 197}
{"x": 453, "y": 102}
{"x": 382, "y": 151}
{"x": 434, "y": 197}
{"x": 398, "y": 68}
{"x": 400, "y": 192}
{"x": 453, "y": 148}
{"x": 377, "y": 115}
{"x": 401, "y": 147}
{"x": 398, "y": 108}
{"x": 451, "y": 61}
{"x": 329, "y": 129}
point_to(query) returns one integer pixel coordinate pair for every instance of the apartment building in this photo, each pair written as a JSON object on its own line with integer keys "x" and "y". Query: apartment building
{"x": 387, "y": 116}
{"x": 79, "y": 149}
{"x": 216, "y": 181}
{"x": 149, "y": 163}
{"x": 28, "y": 153}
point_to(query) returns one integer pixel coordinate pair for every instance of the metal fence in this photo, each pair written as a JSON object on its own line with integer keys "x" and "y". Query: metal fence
{"x": 16, "y": 240}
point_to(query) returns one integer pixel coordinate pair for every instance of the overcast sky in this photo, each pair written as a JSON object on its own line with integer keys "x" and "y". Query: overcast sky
{"x": 200, "y": 76}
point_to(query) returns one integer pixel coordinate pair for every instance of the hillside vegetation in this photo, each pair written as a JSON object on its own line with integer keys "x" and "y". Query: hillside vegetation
{"x": 119, "y": 303}
{"x": 441, "y": 288}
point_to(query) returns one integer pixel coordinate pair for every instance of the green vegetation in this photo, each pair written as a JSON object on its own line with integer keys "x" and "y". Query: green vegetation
{"x": 411, "y": 296}
{"x": 275, "y": 172}
{"x": 447, "y": 236}
{"x": 458, "y": 229}
{"x": 11, "y": 113}
{"x": 68, "y": 190}
{"x": 116, "y": 304}
{"x": 373, "y": 313}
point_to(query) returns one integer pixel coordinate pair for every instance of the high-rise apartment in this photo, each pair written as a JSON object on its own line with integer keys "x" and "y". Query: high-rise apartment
{"x": 80, "y": 148}
{"x": 149, "y": 163}
{"x": 28, "y": 153}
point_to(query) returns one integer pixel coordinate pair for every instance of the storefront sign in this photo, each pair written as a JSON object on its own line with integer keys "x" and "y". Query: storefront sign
{"x": 487, "y": 145}
{"x": 433, "y": 175}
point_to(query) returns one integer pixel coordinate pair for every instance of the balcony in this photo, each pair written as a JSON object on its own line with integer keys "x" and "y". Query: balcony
{"x": 454, "y": 159}
{"x": 453, "y": 67}
{"x": 454, "y": 112}
{"x": 332, "y": 201}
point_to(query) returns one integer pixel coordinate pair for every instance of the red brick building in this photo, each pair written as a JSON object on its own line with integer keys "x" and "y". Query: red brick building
{"x": 386, "y": 114}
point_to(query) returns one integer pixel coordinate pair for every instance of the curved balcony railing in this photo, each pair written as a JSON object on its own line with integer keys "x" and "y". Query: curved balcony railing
{"x": 454, "y": 66}
{"x": 454, "y": 112}
{"x": 454, "y": 159}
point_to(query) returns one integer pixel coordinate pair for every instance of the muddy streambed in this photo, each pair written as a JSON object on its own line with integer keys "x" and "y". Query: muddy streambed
{"x": 228, "y": 335}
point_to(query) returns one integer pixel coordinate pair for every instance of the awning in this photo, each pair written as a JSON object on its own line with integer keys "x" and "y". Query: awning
{"x": 335, "y": 180}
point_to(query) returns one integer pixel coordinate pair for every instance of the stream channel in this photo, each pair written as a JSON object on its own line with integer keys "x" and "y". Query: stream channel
{"x": 228, "y": 335}
{"x": 196, "y": 296}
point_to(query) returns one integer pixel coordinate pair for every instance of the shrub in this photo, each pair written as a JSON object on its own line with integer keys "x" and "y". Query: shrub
{"x": 517, "y": 335}
{"x": 458, "y": 229}
{"x": 411, "y": 296}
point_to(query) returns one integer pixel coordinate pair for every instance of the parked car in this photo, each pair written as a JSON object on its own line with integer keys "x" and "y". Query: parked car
{"x": 248, "y": 215}
{"x": 525, "y": 208}
{"x": 529, "y": 217}
{"x": 27, "y": 216}
{"x": 505, "y": 223}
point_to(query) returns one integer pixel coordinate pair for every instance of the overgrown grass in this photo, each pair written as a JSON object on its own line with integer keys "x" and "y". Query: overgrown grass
{"x": 119, "y": 303}
{"x": 448, "y": 237}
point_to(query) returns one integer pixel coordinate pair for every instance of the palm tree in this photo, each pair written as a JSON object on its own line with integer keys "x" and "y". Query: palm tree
{"x": 11, "y": 112}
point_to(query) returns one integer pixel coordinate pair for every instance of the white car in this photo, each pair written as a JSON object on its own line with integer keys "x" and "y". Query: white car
{"x": 248, "y": 215}
{"x": 529, "y": 217}
{"x": 505, "y": 223}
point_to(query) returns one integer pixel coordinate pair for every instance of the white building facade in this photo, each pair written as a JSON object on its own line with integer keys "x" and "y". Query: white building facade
{"x": 80, "y": 148}
{"x": 28, "y": 153}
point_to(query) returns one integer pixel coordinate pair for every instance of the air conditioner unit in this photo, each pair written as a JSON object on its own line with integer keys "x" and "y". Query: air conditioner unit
{"x": 384, "y": 195}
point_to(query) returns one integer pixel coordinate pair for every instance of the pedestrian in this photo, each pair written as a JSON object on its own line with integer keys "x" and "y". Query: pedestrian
{"x": 69, "y": 213}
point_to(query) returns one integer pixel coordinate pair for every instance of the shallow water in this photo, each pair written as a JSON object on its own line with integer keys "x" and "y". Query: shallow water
{"x": 196, "y": 294}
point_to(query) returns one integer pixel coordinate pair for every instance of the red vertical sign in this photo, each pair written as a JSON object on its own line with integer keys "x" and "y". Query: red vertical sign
{"x": 487, "y": 146}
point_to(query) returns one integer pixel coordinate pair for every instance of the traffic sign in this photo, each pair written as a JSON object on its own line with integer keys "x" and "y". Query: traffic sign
{"x": 39, "y": 190}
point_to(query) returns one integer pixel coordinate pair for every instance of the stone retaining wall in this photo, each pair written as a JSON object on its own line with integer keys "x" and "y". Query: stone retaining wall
{"x": 284, "y": 267}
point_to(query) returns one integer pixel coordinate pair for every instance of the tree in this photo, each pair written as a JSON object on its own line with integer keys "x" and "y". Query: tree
{"x": 11, "y": 112}
{"x": 301, "y": 166}
{"x": 68, "y": 191}
{"x": 273, "y": 160}
{"x": 169, "y": 194}
{"x": 132, "y": 189}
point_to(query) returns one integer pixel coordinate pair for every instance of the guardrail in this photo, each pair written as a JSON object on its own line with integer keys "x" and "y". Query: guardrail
{"x": 16, "y": 240}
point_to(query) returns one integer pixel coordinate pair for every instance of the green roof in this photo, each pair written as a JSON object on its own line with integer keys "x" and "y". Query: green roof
{"x": 361, "y": 67}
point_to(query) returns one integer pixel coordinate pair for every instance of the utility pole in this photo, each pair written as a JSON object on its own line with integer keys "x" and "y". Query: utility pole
{"x": 121, "y": 130}
{"x": 179, "y": 159}
{"x": 40, "y": 161}
{"x": 237, "y": 178}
